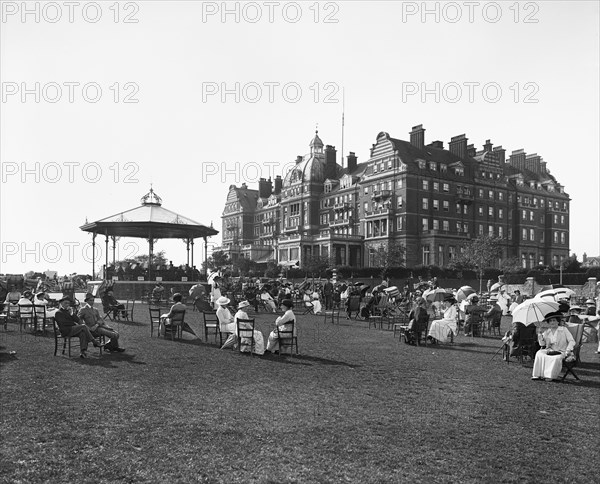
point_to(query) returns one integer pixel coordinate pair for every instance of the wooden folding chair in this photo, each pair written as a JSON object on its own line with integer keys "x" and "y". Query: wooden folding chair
{"x": 245, "y": 331}
{"x": 332, "y": 315}
{"x": 287, "y": 337}
{"x": 154, "y": 319}
{"x": 211, "y": 323}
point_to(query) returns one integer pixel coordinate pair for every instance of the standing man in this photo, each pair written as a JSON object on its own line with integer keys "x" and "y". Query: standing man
{"x": 328, "y": 294}
{"x": 91, "y": 317}
{"x": 70, "y": 325}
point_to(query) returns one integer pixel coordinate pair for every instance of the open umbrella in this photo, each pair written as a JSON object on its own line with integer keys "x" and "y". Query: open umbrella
{"x": 464, "y": 292}
{"x": 496, "y": 287}
{"x": 533, "y": 311}
{"x": 555, "y": 294}
{"x": 437, "y": 294}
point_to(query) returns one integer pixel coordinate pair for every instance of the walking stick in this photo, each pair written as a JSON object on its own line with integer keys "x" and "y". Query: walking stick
{"x": 498, "y": 351}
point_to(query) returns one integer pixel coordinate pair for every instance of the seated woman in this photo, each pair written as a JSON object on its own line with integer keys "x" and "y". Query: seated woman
{"x": 288, "y": 316}
{"x": 232, "y": 340}
{"x": 473, "y": 317}
{"x": 559, "y": 344}
{"x": 226, "y": 323}
{"x": 40, "y": 300}
{"x": 316, "y": 302}
{"x": 518, "y": 337}
{"x": 167, "y": 319}
{"x": 418, "y": 318}
{"x": 268, "y": 300}
{"x": 442, "y": 330}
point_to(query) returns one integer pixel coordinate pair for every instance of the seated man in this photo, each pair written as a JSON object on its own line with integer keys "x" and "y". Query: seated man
{"x": 288, "y": 317}
{"x": 91, "y": 317}
{"x": 494, "y": 315}
{"x": 158, "y": 292}
{"x": 520, "y": 336}
{"x": 109, "y": 303}
{"x": 474, "y": 317}
{"x": 167, "y": 319}
{"x": 198, "y": 293}
{"x": 70, "y": 325}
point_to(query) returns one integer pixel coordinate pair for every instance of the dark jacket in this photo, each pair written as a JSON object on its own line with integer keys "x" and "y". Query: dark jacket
{"x": 66, "y": 320}
{"x": 494, "y": 315}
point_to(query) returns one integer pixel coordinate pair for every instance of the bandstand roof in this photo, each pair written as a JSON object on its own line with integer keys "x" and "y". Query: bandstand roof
{"x": 150, "y": 220}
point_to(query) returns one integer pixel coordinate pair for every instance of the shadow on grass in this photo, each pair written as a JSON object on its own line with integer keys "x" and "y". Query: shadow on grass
{"x": 6, "y": 357}
{"x": 306, "y": 360}
{"x": 108, "y": 360}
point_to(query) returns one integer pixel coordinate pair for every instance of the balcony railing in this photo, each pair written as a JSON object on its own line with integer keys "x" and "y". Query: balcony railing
{"x": 341, "y": 206}
{"x": 341, "y": 222}
{"x": 464, "y": 194}
{"x": 382, "y": 194}
{"x": 382, "y": 212}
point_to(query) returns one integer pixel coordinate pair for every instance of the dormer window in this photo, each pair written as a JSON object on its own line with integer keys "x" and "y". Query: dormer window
{"x": 433, "y": 166}
{"x": 443, "y": 168}
{"x": 422, "y": 164}
{"x": 459, "y": 171}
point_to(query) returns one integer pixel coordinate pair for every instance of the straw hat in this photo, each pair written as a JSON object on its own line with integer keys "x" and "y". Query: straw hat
{"x": 243, "y": 304}
{"x": 223, "y": 301}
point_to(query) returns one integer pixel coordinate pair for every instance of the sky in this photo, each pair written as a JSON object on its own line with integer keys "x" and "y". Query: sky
{"x": 101, "y": 100}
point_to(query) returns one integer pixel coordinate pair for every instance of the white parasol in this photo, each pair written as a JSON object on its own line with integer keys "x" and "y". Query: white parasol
{"x": 533, "y": 311}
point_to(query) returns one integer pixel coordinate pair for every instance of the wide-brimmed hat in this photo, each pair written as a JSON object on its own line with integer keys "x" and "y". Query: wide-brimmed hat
{"x": 223, "y": 300}
{"x": 555, "y": 314}
{"x": 243, "y": 304}
{"x": 288, "y": 303}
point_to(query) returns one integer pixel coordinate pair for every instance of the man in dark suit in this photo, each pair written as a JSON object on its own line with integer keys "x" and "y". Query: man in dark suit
{"x": 70, "y": 325}
{"x": 91, "y": 317}
{"x": 328, "y": 294}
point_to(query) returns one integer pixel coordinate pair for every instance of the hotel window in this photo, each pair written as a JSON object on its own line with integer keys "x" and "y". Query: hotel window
{"x": 458, "y": 227}
{"x": 465, "y": 210}
{"x": 440, "y": 261}
{"x": 446, "y": 187}
{"x": 426, "y": 204}
{"x": 524, "y": 214}
{"x": 436, "y": 186}
{"x": 500, "y": 196}
{"x": 422, "y": 164}
{"x": 562, "y": 219}
{"x": 425, "y": 224}
{"x": 500, "y": 231}
{"x": 500, "y": 213}
{"x": 389, "y": 184}
{"x": 399, "y": 201}
{"x": 480, "y": 229}
{"x": 524, "y": 260}
{"x": 446, "y": 205}
{"x": 491, "y": 230}
{"x": 399, "y": 223}
{"x": 366, "y": 206}
{"x": 565, "y": 206}
{"x": 425, "y": 184}
{"x": 563, "y": 238}
{"x": 556, "y": 237}
{"x": 490, "y": 211}
{"x": 433, "y": 166}
{"x": 389, "y": 164}
{"x": 531, "y": 215}
{"x": 443, "y": 168}
{"x": 466, "y": 228}
{"x": 451, "y": 252}
{"x": 480, "y": 193}
{"x": 400, "y": 183}
{"x": 531, "y": 234}
{"x": 480, "y": 210}
{"x": 459, "y": 171}
{"x": 524, "y": 234}
{"x": 510, "y": 234}
{"x": 446, "y": 225}
{"x": 425, "y": 252}
{"x": 436, "y": 224}
{"x": 458, "y": 208}
{"x": 555, "y": 261}
{"x": 555, "y": 219}
{"x": 542, "y": 237}
{"x": 491, "y": 194}
{"x": 436, "y": 204}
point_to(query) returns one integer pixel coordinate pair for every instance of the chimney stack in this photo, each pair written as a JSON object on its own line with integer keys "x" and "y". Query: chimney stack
{"x": 352, "y": 162}
{"x": 436, "y": 144}
{"x": 278, "y": 185}
{"x": 471, "y": 151}
{"x": 488, "y": 145}
{"x": 500, "y": 154}
{"x": 417, "y": 137}
{"x": 517, "y": 159}
{"x": 532, "y": 163}
{"x": 330, "y": 164}
{"x": 265, "y": 187}
{"x": 458, "y": 145}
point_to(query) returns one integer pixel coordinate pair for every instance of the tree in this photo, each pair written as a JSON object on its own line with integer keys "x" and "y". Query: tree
{"x": 389, "y": 256}
{"x": 315, "y": 264}
{"x": 273, "y": 270}
{"x": 571, "y": 264}
{"x": 511, "y": 265}
{"x": 244, "y": 265}
{"x": 218, "y": 260}
{"x": 479, "y": 254}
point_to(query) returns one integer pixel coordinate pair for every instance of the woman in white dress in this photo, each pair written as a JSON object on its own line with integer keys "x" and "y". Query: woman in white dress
{"x": 232, "y": 341}
{"x": 316, "y": 302}
{"x": 559, "y": 344}
{"x": 215, "y": 291}
{"x": 226, "y": 323}
{"x": 442, "y": 329}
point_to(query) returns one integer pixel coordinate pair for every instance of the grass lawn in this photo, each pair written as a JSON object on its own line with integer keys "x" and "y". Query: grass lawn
{"x": 355, "y": 406}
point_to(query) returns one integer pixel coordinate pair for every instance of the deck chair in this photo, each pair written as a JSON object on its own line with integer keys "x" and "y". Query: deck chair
{"x": 211, "y": 323}
{"x": 287, "y": 338}
{"x": 245, "y": 331}
{"x": 308, "y": 307}
{"x": 576, "y": 331}
{"x": 332, "y": 315}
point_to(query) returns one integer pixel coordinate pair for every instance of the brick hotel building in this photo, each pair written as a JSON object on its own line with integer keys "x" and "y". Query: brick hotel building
{"x": 427, "y": 198}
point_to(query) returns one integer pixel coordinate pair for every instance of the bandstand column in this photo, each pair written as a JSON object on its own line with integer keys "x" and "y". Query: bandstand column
{"x": 106, "y": 256}
{"x": 192, "y": 265}
{"x": 93, "y": 255}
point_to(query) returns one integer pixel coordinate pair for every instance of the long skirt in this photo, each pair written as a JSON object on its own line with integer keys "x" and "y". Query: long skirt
{"x": 441, "y": 328}
{"x": 259, "y": 343}
{"x": 546, "y": 366}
